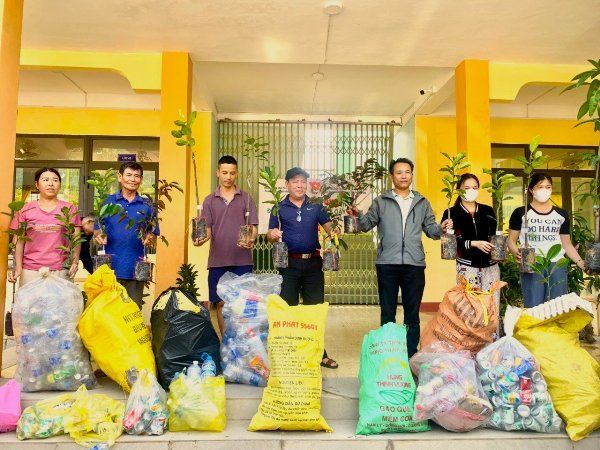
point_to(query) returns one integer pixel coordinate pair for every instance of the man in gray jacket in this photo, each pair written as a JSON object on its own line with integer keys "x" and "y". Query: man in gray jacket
{"x": 401, "y": 215}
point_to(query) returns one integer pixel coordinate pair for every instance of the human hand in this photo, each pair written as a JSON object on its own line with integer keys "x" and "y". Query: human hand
{"x": 274, "y": 234}
{"x": 148, "y": 239}
{"x": 101, "y": 239}
{"x": 447, "y": 225}
{"x": 73, "y": 269}
{"x": 13, "y": 275}
{"x": 484, "y": 246}
{"x": 199, "y": 242}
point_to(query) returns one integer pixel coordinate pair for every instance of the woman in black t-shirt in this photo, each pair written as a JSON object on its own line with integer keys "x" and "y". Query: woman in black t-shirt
{"x": 547, "y": 226}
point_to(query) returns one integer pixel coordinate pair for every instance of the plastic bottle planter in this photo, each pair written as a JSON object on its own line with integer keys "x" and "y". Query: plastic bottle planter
{"x": 351, "y": 224}
{"x": 143, "y": 270}
{"x": 280, "y": 255}
{"x": 331, "y": 260}
{"x": 198, "y": 228}
{"x": 527, "y": 259}
{"x": 592, "y": 257}
{"x": 100, "y": 259}
{"x": 500, "y": 250}
{"x": 448, "y": 245}
{"x": 245, "y": 235}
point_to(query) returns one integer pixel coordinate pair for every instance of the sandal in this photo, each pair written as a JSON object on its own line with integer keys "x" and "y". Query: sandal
{"x": 329, "y": 363}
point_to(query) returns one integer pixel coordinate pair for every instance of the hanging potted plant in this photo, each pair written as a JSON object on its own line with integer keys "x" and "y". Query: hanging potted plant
{"x": 268, "y": 180}
{"x": 254, "y": 151}
{"x": 146, "y": 224}
{"x": 450, "y": 179}
{"x": 589, "y": 111}
{"x": 535, "y": 160}
{"x": 73, "y": 239}
{"x": 103, "y": 183}
{"x": 20, "y": 232}
{"x": 331, "y": 253}
{"x": 185, "y": 138}
{"x": 497, "y": 189}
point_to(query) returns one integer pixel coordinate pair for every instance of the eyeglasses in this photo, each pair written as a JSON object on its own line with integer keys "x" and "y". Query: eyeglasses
{"x": 299, "y": 218}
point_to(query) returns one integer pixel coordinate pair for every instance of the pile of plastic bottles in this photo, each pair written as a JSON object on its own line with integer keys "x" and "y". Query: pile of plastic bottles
{"x": 244, "y": 344}
{"x": 146, "y": 411}
{"x": 50, "y": 353}
{"x": 518, "y": 392}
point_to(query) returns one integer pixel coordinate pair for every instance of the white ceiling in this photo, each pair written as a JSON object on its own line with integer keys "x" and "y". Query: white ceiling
{"x": 258, "y": 56}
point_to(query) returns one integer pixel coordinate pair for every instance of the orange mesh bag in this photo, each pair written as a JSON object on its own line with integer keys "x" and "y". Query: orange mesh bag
{"x": 467, "y": 318}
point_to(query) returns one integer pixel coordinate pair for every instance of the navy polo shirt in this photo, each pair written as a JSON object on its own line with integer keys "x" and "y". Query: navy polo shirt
{"x": 124, "y": 244}
{"x": 301, "y": 236}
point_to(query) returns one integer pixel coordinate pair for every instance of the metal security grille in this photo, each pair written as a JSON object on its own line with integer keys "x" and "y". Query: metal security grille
{"x": 319, "y": 148}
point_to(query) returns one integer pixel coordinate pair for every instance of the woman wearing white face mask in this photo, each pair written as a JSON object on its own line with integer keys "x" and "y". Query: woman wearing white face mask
{"x": 474, "y": 223}
{"x": 547, "y": 226}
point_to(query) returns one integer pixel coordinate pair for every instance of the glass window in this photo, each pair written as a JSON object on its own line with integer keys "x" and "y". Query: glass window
{"x": 33, "y": 148}
{"x": 145, "y": 150}
{"x": 69, "y": 187}
{"x": 504, "y": 157}
{"x": 515, "y": 191}
{"x": 565, "y": 158}
{"x": 584, "y": 208}
{"x": 147, "y": 183}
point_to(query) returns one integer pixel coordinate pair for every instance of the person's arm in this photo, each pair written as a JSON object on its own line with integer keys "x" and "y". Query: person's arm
{"x": 371, "y": 218}
{"x": 571, "y": 251}
{"x": 431, "y": 228}
{"x": 274, "y": 234}
{"x": 14, "y": 275}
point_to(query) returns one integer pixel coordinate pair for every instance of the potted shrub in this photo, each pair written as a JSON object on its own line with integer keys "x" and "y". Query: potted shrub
{"x": 331, "y": 253}
{"x": 589, "y": 112}
{"x": 73, "y": 238}
{"x": 186, "y": 281}
{"x": 148, "y": 221}
{"x": 450, "y": 179}
{"x": 185, "y": 138}
{"x": 497, "y": 188}
{"x": 103, "y": 184}
{"x": 543, "y": 263}
{"x": 535, "y": 160}
{"x": 268, "y": 179}
{"x": 20, "y": 233}
{"x": 254, "y": 150}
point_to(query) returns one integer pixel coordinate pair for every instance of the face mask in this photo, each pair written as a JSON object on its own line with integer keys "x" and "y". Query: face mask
{"x": 542, "y": 195}
{"x": 471, "y": 195}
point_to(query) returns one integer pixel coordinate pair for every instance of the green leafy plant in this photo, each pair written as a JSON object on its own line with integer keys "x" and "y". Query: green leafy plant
{"x": 268, "y": 180}
{"x": 591, "y": 106}
{"x": 21, "y": 231}
{"x": 590, "y": 190}
{"x": 497, "y": 189}
{"x": 74, "y": 239}
{"x": 186, "y": 281}
{"x": 535, "y": 160}
{"x": 581, "y": 234}
{"x": 103, "y": 184}
{"x": 184, "y": 138}
{"x": 452, "y": 176}
{"x": 255, "y": 151}
{"x": 544, "y": 266}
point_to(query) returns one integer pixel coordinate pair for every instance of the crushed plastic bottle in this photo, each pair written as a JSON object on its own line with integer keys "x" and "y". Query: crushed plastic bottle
{"x": 209, "y": 368}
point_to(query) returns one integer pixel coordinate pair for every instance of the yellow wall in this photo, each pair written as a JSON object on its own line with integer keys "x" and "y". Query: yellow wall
{"x": 438, "y": 134}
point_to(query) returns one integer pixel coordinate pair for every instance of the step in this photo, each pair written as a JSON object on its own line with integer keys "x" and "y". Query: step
{"x": 339, "y": 399}
{"x": 236, "y": 437}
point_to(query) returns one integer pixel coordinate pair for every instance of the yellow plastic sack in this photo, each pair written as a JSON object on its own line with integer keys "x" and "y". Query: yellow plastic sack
{"x": 572, "y": 375}
{"x": 113, "y": 330}
{"x": 197, "y": 404}
{"x": 45, "y": 418}
{"x": 292, "y": 398}
{"x": 94, "y": 418}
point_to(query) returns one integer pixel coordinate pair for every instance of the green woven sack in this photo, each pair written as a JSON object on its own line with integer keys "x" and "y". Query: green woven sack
{"x": 387, "y": 389}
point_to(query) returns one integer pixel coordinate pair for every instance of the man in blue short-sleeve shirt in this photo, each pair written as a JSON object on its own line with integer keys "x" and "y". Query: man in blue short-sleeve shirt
{"x": 300, "y": 220}
{"x": 123, "y": 242}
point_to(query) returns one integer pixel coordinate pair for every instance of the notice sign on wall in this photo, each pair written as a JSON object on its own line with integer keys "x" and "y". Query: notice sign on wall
{"x": 126, "y": 157}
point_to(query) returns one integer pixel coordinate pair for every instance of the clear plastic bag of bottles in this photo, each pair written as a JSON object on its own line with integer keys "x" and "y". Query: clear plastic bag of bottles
{"x": 197, "y": 398}
{"x": 50, "y": 354}
{"x": 449, "y": 392}
{"x": 244, "y": 343}
{"x": 146, "y": 410}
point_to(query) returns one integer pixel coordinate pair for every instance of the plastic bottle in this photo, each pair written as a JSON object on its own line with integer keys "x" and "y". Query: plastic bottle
{"x": 194, "y": 371}
{"x": 209, "y": 368}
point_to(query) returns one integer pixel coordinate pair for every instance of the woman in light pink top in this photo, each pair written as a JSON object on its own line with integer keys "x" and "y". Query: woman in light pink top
{"x": 45, "y": 233}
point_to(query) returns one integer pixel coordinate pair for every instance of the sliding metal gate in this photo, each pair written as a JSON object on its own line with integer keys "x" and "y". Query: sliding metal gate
{"x": 319, "y": 148}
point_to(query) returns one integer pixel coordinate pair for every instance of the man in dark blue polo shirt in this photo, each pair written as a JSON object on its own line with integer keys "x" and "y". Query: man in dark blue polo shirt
{"x": 300, "y": 220}
{"x": 121, "y": 241}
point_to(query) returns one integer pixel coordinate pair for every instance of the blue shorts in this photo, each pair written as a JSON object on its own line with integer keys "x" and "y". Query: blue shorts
{"x": 215, "y": 274}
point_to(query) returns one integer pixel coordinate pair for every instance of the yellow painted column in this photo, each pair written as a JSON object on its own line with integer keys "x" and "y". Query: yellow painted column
{"x": 473, "y": 135}
{"x": 174, "y": 165}
{"x": 10, "y": 49}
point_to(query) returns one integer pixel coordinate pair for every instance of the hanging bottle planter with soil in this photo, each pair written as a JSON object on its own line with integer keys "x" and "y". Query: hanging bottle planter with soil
{"x": 500, "y": 250}
{"x": 143, "y": 270}
{"x": 198, "y": 229}
{"x": 280, "y": 255}
{"x": 592, "y": 257}
{"x": 331, "y": 260}
{"x": 245, "y": 235}
{"x": 100, "y": 259}
{"x": 351, "y": 224}
{"x": 449, "y": 246}
{"x": 527, "y": 259}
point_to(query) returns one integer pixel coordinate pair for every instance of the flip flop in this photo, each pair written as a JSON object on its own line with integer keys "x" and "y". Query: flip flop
{"x": 330, "y": 364}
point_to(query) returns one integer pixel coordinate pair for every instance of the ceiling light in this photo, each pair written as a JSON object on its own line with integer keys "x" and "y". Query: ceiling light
{"x": 333, "y": 7}
{"x": 318, "y": 76}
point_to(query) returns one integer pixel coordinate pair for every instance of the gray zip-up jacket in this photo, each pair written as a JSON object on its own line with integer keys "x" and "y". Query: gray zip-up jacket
{"x": 396, "y": 246}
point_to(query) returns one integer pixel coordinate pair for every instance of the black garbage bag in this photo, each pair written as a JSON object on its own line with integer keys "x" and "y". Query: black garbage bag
{"x": 181, "y": 333}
